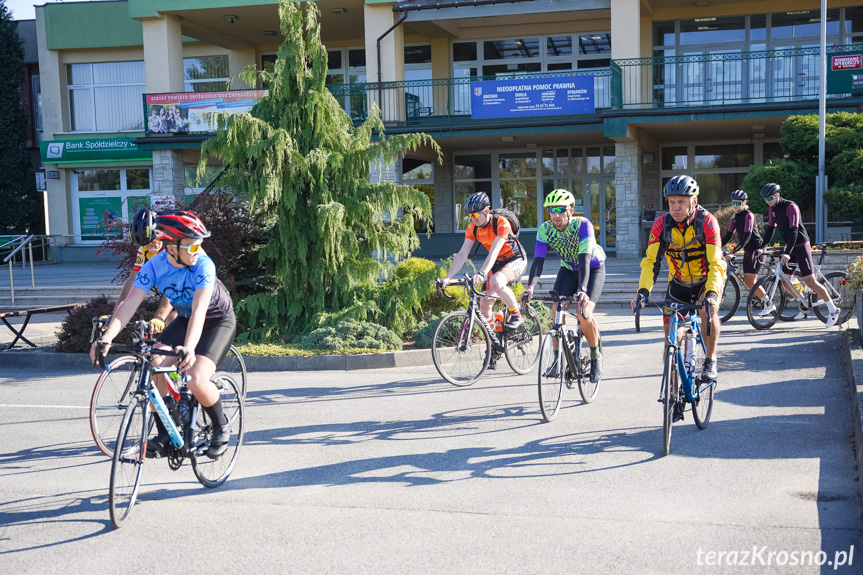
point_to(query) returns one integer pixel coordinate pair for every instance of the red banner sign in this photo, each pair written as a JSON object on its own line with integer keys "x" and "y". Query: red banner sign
{"x": 850, "y": 62}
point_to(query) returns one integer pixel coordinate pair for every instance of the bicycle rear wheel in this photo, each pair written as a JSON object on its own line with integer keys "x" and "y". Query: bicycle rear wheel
{"x": 108, "y": 402}
{"x": 763, "y": 314}
{"x": 703, "y": 406}
{"x": 581, "y": 355}
{"x": 460, "y": 357}
{"x": 234, "y": 366}
{"x": 523, "y": 354}
{"x": 730, "y": 298}
{"x": 837, "y": 287}
{"x": 669, "y": 398}
{"x": 128, "y": 462}
{"x": 550, "y": 377}
{"x": 213, "y": 472}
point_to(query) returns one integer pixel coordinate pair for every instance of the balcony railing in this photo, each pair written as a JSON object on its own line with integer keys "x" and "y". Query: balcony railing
{"x": 441, "y": 101}
{"x": 719, "y": 78}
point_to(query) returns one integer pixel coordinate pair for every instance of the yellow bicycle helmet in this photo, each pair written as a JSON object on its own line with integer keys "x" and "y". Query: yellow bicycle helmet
{"x": 559, "y": 197}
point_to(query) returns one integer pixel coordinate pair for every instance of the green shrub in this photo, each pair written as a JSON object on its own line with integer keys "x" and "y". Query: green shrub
{"x": 543, "y": 313}
{"x": 424, "y": 333}
{"x": 350, "y": 333}
{"x": 74, "y": 334}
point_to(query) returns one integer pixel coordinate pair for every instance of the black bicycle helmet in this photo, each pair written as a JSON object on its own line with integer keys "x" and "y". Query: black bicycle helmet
{"x": 681, "y": 186}
{"x": 476, "y": 203}
{"x": 770, "y": 189}
{"x": 142, "y": 227}
{"x": 739, "y": 196}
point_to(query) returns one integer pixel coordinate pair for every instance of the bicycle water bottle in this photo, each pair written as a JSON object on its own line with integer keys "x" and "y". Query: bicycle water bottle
{"x": 796, "y": 283}
{"x": 689, "y": 352}
{"x": 185, "y": 406}
{"x": 498, "y": 322}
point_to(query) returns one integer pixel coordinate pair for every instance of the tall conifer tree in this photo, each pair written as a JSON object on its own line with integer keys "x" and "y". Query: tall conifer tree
{"x": 17, "y": 185}
{"x": 300, "y": 160}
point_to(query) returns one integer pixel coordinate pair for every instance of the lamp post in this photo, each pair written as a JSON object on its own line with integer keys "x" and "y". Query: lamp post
{"x": 821, "y": 182}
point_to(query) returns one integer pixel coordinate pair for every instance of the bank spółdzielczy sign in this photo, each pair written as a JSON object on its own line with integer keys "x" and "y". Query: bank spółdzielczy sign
{"x": 91, "y": 150}
{"x": 526, "y": 97}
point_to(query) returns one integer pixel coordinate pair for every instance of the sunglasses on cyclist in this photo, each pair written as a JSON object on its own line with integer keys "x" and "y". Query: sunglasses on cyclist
{"x": 736, "y": 203}
{"x": 770, "y": 198}
{"x": 557, "y": 209}
{"x": 193, "y": 248}
{"x": 476, "y": 215}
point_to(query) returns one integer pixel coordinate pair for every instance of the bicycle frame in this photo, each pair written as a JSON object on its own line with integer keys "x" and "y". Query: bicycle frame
{"x": 558, "y": 332}
{"x": 673, "y": 346}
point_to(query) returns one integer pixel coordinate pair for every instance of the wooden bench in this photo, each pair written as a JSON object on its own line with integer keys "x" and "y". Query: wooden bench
{"x": 27, "y": 314}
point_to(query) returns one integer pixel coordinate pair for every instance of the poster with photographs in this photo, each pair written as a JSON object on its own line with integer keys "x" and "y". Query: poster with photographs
{"x": 185, "y": 113}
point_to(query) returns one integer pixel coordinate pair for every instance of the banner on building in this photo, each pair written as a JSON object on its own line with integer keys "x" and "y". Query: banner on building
{"x": 91, "y": 150}
{"x": 526, "y": 97}
{"x": 844, "y": 73}
{"x": 184, "y": 113}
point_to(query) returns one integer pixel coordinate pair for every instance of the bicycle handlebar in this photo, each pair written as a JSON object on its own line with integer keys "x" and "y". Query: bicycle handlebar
{"x": 142, "y": 327}
{"x": 676, "y": 307}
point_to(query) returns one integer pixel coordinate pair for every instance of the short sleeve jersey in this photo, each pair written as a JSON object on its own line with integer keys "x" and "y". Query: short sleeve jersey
{"x": 511, "y": 250}
{"x": 576, "y": 239}
{"x": 180, "y": 284}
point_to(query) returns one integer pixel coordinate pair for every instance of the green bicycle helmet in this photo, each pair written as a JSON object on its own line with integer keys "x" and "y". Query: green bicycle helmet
{"x": 559, "y": 197}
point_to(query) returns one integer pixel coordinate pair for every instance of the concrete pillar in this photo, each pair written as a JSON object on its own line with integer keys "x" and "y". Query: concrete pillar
{"x": 441, "y": 68}
{"x": 378, "y": 19}
{"x": 626, "y": 43}
{"x": 237, "y": 60}
{"x": 168, "y": 176}
{"x": 444, "y": 195}
{"x": 163, "y": 54}
{"x": 54, "y": 119}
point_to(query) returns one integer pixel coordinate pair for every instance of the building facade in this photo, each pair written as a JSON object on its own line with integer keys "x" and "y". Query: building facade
{"x": 606, "y": 98}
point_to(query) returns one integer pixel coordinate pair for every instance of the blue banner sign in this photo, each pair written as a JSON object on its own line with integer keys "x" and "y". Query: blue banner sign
{"x": 532, "y": 97}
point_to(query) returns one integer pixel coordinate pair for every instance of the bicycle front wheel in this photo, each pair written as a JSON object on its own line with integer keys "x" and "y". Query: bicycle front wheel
{"x": 128, "y": 462}
{"x": 703, "y": 406}
{"x": 523, "y": 344}
{"x": 108, "y": 402}
{"x": 213, "y": 472}
{"x": 234, "y": 366}
{"x": 730, "y": 298}
{"x": 460, "y": 357}
{"x": 763, "y": 314}
{"x": 669, "y": 398}
{"x": 550, "y": 377}
{"x": 836, "y": 284}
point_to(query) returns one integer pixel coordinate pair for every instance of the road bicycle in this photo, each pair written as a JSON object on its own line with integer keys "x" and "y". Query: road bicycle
{"x": 787, "y": 296}
{"x": 465, "y": 344}
{"x": 117, "y": 382}
{"x": 682, "y": 383}
{"x": 188, "y": 426}
{"x": 734, "y": 286}
{"x": 569, "y": 363}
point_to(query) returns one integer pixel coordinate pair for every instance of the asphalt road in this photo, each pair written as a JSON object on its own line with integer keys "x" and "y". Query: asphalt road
{"x": 396, "y": 471}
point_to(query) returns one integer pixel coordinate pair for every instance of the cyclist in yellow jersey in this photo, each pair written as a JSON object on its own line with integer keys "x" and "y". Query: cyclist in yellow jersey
{"x": 688, "y": 236}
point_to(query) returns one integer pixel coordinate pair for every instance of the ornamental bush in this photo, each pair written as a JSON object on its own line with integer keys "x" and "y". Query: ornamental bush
{"x": 74, "y": 334}
{"x": 350, "y": 333}
{"x": 423, "y": 335}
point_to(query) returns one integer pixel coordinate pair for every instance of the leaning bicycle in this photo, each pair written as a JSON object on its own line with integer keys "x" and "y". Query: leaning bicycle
{"x": 682, "y": 384}
{"x": 784, "y": 294}
{"x": 189, "y": 427}
{"x": 465, "y": 344}
{"x": 564, "y": 359}
{"x": 118, "y": 381}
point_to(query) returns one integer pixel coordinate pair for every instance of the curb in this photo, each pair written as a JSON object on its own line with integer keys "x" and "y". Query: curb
{"x": 854, "y": 364}
{"x": 81, "y": 361}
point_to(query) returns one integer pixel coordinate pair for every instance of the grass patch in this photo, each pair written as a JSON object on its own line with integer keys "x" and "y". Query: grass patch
{"x": 288, "y": 349}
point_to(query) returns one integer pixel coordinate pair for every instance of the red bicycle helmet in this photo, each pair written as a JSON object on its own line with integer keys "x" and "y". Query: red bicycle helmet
{"x": 179, "y": 225}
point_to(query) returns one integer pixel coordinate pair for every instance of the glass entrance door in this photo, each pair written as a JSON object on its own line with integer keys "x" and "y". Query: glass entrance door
{"x": 600, "y": 201}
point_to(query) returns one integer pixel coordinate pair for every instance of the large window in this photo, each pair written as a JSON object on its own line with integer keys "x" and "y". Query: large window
{"x": 206, "y": 74}
{"x": 719, "y": 169}
{"x": 472, "y": 174}
{"x": 106, "y": 196}
{"x": 518, "y": 185}
{"x": 420, "y": 174}
{"x": 105, "y": 97}
{"x": 348, "y": 66}
{"x": 418, "y": 99}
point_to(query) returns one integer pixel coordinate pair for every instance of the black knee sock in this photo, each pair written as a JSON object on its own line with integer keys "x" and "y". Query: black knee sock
{"x": 217, "y": 415}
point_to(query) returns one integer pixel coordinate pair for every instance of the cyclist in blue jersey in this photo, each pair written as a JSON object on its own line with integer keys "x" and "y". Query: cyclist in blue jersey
{"x": 582, "y": 267}
{"x": 204, "y": 329}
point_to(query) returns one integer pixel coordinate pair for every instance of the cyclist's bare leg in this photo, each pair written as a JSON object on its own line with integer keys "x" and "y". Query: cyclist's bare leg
{"x": 554, "y": 343}
{"x": 816, "y": 287}
{"x": 588, "y": 324}
{"x": 497, "y": 284}
{"x": 749, "y": 280}
{"x": 485, "y": 304}
{"x": 710, "y": 340}
{"x": 200, "y": 385}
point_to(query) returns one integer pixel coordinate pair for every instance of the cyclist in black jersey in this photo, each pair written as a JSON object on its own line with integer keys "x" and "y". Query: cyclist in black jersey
{"x": 748, "y": 239}
{"x": 785, "y": 215}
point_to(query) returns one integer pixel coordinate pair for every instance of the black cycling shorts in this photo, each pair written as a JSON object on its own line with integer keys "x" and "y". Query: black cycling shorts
{"x": 683, "y": 294}
{"x": 567, "y": 282}
{"x": 216, "y": 336}
{"x": 753, "y": 265}
{"x": 802, "y": 256}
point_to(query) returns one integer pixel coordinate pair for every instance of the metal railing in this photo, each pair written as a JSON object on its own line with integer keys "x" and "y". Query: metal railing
{"x": 441, "y": 100}
{"x": 720, "y": 77}
{"x": 46, "y": 243}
